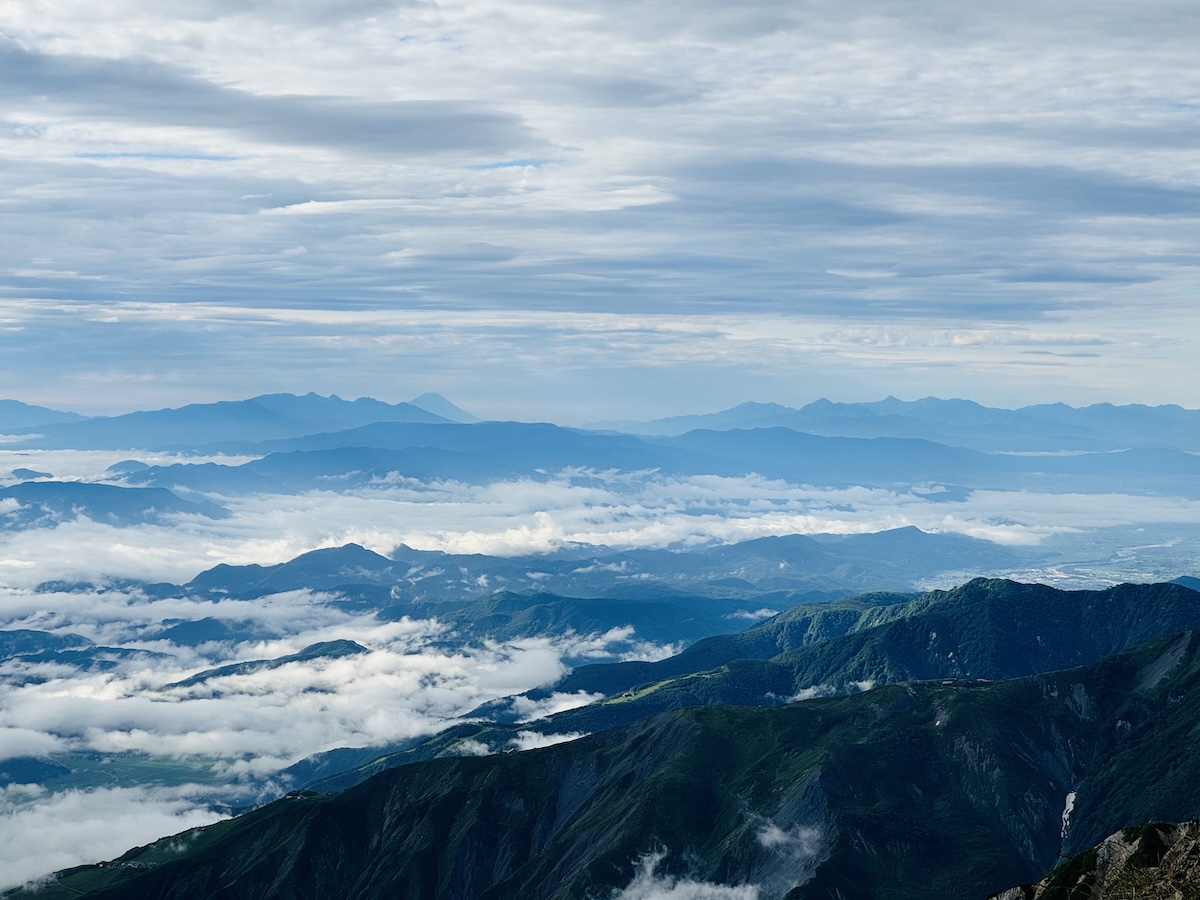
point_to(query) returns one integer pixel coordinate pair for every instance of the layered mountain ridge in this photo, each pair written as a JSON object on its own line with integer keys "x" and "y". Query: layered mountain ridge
{"x": 915, "y": 790}
{"x": 945, "y": 787}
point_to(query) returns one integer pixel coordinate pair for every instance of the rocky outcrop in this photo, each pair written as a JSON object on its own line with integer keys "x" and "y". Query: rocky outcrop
{"x": 1152, "y": 862}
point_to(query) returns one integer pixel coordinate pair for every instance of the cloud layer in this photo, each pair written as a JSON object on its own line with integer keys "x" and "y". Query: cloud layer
{"x": 235, "y": 732}
{"x": 40, "y": 833}
{"x": 751, "y": 202}
{"x": 521, "y": 516}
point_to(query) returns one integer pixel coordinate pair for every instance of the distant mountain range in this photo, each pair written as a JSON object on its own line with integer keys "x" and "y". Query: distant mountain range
{"x": 474, "y": 454}
{"x": 267, "y": 417}
{"x": 960, "y": 423}
{"x": 1046, "y": 428}
{"x": 949, "y": 446}
{"x": 47, "y": 503}
{"x": 15, "y": 415}
{"x": 785, "y": 570}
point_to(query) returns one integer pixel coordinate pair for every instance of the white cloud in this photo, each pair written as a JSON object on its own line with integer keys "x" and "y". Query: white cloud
{"x": 530, "y": 710}
{"x": 533, "y": 740}
{"x": 407, "y": 684}
{"x": 799, "y": 842}
{"x": 756, "y": 615}
{"x": 15, "y": 742}
{"x": 628, "y": 161}
{"x": 469, "y": 747}
{"x": 41, "y": 833}
{"x": 525, "y": 516}
{"x": 809, "y": 693}
{"x": 648, "y": 885}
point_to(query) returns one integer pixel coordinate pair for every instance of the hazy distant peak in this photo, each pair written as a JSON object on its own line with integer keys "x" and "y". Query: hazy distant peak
{"x": 755, "y": 405}
{"x": 15, "y": 414}
{"x": 265, "y": 417}
{"x": 956, "y": 422}
{"x": 440, "y": 406}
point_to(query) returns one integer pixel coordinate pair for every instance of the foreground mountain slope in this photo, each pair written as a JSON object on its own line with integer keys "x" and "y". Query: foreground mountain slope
{"x": 907, "y": 791}
{"x": 986, "y": 629}
{"x": 1150, "y": 862}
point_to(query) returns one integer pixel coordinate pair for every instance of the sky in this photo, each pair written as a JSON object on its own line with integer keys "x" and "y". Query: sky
{"x": 585, "y": 210}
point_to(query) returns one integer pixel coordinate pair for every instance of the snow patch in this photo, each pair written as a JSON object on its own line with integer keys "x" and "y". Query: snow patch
{"x": 1068, "y": 808}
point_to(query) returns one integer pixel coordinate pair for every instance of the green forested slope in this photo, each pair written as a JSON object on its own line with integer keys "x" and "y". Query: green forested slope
{"x": 906, "y": 791}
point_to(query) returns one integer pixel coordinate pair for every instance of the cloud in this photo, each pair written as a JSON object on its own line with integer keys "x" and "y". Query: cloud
{"x": 262, "y": 721}
{"x": 800, "y": 842}
{"x": 132, "y": 91}
{"x": 756, "y": 615}
{"x": 648, "y": 885}
{"x": 409, "y": 683}
{"x": 533, "y": 740}
{"x": 721, "y": 163}
{"x": 525, "y": 516}
{"x": 809, "y": 693}
{"x": 18, "y": 742}
{"x": 41, "y": 833}
{"x": 531, "y": 710}
{"x": 469, "y": 747}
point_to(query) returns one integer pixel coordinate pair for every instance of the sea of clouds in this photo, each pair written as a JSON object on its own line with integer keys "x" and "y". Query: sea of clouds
{"x": 415, "y": 677}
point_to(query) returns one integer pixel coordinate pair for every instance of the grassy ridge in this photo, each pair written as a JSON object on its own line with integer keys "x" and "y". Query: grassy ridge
{"x": 906, "y": 791}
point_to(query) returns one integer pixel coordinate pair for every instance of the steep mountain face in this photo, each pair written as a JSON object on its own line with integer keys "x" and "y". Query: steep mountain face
{"x": 908, "y": 791}
{"x": 986, "y": 629}
{"x": 1150, "y": 862}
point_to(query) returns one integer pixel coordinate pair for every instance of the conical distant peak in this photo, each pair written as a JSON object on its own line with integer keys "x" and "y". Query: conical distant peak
{"x": 440, "y": 406}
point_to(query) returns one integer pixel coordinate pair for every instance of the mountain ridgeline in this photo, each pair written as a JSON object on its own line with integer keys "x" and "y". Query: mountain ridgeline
{"x": 911, "y": 790}
{"x": 934, "y": 782}
{"x": 312, "y": 442}
{"x": 953, "y": 422}
{"x": 956, "y": 422}
{"x": 987, "y": 629}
